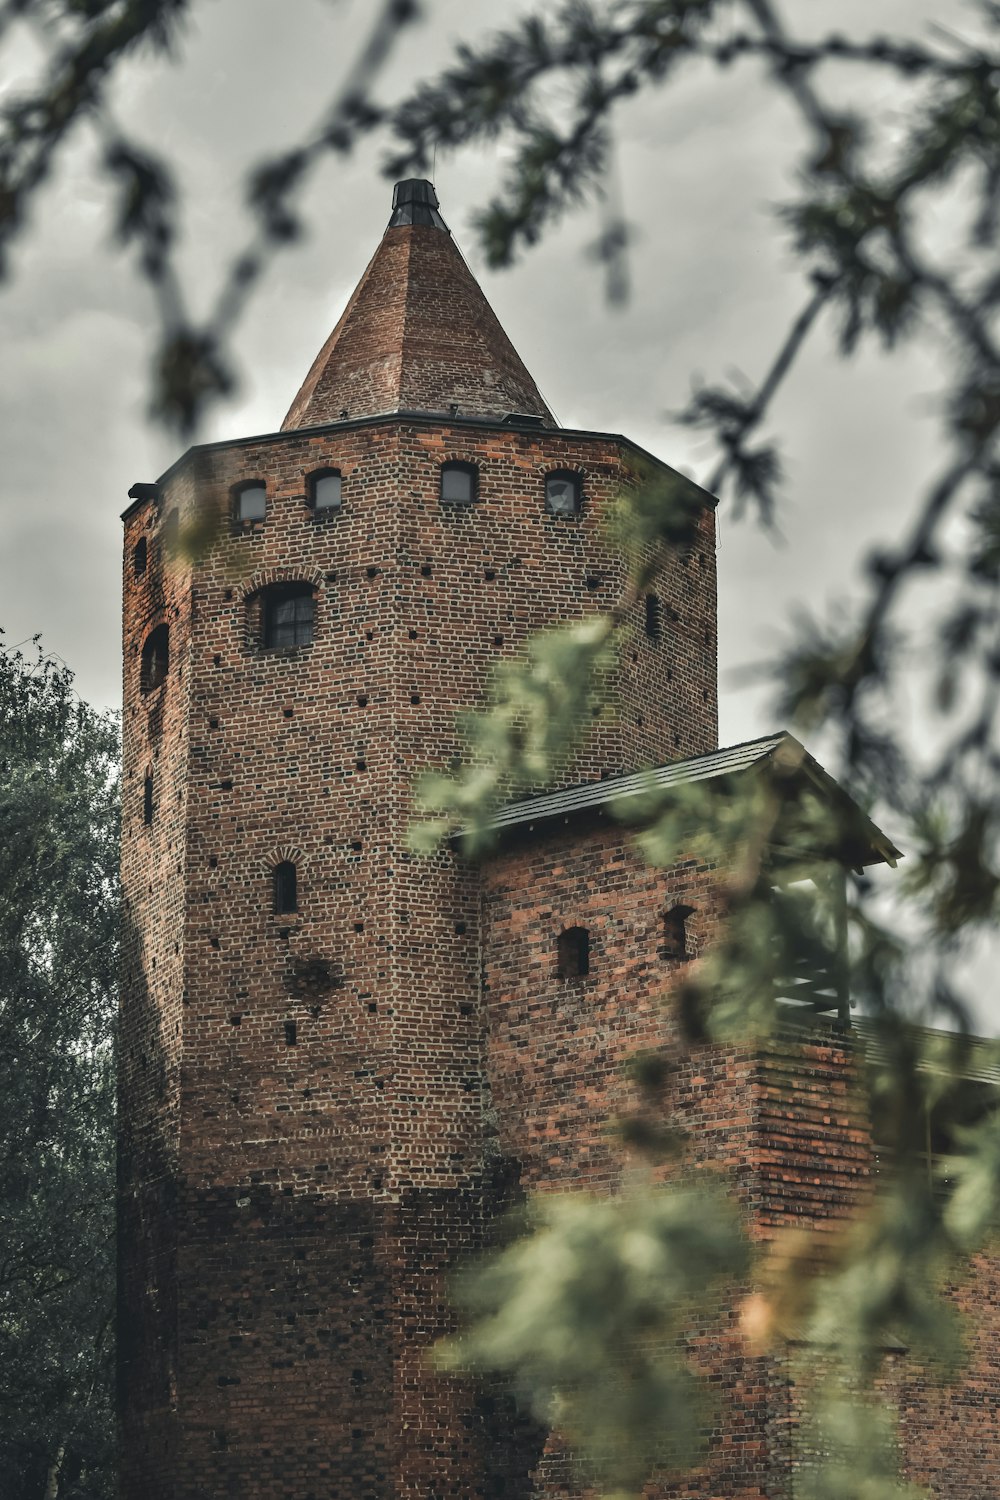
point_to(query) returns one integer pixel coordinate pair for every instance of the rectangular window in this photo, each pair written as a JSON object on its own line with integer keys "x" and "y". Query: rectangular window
{"x": 251, "y": 503}
{"x": 288, "y": 620}
{"x": 326, "y": 492}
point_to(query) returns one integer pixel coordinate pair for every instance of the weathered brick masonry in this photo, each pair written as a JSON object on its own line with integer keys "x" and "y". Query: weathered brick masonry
{"x": 323, "y": 1108}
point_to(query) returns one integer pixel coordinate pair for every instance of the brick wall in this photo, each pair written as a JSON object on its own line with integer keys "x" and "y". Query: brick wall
{"x": 323, "y": 1181}
{"x": 787, "y": 1124}
{"x": 150, "y": 1053}
{"x": 557, "y": 1051}
{"x": 294, "y": 1200}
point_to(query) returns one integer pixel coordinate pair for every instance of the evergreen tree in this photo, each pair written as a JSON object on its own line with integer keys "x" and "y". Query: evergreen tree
{"x": 58, "y": 958}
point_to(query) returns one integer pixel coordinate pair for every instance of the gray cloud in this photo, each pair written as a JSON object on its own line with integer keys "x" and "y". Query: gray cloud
{"x": 711, "y": 290}
{"x": 713, "y": 287}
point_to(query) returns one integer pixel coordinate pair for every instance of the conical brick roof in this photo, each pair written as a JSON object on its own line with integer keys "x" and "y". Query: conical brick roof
{"x": 417, "y": 334}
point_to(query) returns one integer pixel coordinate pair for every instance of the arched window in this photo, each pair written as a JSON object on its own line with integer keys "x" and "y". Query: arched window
{"x": 459, "y": 484}
{"x": 652, "y": 617}
{"x": 675, "y": 934}
{"x": 563, "y": 493}
{"x": 155, "y": 659}
{"x": 325, "y": 491}
{"x": 573, "y": 953}
{"x": 139, "y": 553}
{"x": 288, "y": 615}
{"x": 284, "y": 885}
{"x": 250, "y": 501}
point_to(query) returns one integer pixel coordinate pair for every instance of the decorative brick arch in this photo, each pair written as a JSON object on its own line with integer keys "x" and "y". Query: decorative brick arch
{"x": 460, "y": 456}
{"x": 281, "y": 854}
{"x": 264, "y": 577}
{"x": 541, "y": 469}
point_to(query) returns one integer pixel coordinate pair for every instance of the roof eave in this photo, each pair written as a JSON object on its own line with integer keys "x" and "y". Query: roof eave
{"x": 594, "y": 799}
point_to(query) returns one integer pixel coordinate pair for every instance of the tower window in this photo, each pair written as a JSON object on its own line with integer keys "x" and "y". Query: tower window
{"x": 459, "y": 484}
{"x": 325, "y": 490}
{"x": 139, "y": 553}
{"x": 563, "y": 491}
{"x": 289, "y": 611}
{"x": 675, "y": 934}
{"x": 284, "y": 883}
{"x": 574, "y": 953}
{"x": 250, "y": 501}
{"x": 653, "y": 617}
{"x": 147, "y": 799}
{"x": 155, "y": 659}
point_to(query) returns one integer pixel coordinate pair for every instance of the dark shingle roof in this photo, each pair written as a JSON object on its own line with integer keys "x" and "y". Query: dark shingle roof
{"x": 733, "y": 759}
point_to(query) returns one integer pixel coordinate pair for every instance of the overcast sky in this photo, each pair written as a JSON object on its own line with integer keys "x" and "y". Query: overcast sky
{"x": 713, "y": 287}
{"x": 701, "y": 165}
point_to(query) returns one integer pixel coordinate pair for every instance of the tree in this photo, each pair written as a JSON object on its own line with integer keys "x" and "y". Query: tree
{"x": 58, "y": 978}
{"x": 859, "y": 228}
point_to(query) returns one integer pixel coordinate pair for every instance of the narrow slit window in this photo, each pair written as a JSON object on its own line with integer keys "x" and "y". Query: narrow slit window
{"x": 291, "y": 1034}
{"x": 459, "y": 484}
{"x": 563, "y": 491}
{"x": 574, "y": 953}
{"x": 155, "y": 661}
{"x": 653, "y": 617}
{"x": 285, "y": 888}
{"x": 250, "y": 501}
{"x": 139, "y": 557}
{"x": 676, "y": 939}
{"x": 147, "y": 799}
{"x": 289, "y": 612}
{"x": 325, "y": 491}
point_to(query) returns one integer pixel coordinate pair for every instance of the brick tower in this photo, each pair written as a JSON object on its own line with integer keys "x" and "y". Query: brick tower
{"x": 308, "y": 1138}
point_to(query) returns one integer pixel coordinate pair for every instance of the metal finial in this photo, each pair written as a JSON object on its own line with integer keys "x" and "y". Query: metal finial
{"x": 414, "y": 201}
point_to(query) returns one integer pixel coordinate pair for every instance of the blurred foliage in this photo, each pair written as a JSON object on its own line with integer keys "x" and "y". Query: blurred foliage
{"x": 589, "y": 1313}
{"x": 560, "y": 1312}
{"x": 858, "y": 229}
{"x": 58, "y": 986}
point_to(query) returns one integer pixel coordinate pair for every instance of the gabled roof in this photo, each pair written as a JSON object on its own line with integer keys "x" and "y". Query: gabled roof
{"x": 780, "y": 752}
{"x": 417, "y": 334}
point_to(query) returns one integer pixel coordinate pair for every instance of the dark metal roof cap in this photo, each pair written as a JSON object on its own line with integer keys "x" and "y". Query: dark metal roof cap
{"x": 415, "y": 202}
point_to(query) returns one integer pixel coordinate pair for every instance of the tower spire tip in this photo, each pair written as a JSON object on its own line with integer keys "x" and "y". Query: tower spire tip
{"x": 414, "y": 201}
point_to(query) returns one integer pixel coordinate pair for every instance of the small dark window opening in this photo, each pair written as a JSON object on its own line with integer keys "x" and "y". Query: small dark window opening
{"x": 147, "y": 799}
{"x": 653, "y": 617}
{"x": 250, "y": 501}
{"x": 574, "y": 953}
{"x": 325, "y": 490}
{"x": 155, "y": 659}
{"x": 285, "y": 886}
{"x": 675, "y": 934}
{"x": 289, "y": 615}
{"x": 139, "y": 557}
{"x": 459, "y": 484}
{"x": 562, "y": 493}
{"x": 291, "y": 1034}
